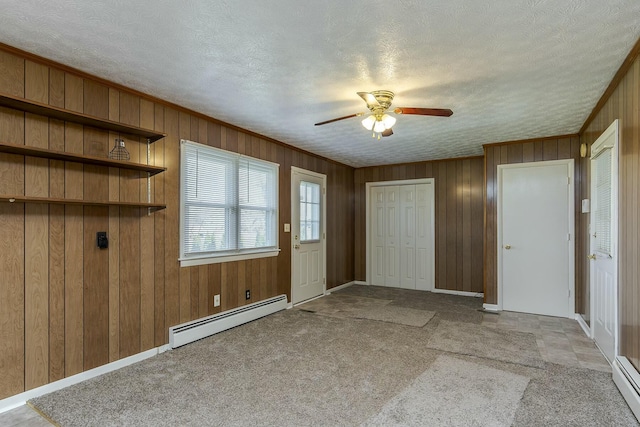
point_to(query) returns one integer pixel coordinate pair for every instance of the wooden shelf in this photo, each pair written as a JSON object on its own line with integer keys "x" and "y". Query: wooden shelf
{"x": 25, "y": 199}
{"x": 80, "y": 118}
{"x": 70, "y": 157}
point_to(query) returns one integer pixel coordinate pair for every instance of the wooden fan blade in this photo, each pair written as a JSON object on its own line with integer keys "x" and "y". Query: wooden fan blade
{"x": 369, "y": 99}
{"x": 338, "y": 119}
{"x": 442, "y": 112}
{"x": 387, "y": 132}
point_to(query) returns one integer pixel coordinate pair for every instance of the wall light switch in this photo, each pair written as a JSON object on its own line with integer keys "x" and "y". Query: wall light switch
{"x": 586, "y": 206}
{"x": 287, "y": 228}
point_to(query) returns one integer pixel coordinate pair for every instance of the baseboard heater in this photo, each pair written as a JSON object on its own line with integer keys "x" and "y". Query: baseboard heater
{"x": 197, "y": 329}
{"x": 627, "y": 379}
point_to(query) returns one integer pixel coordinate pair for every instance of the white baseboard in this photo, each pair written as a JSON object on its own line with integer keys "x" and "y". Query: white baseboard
{"x": 337, "y": 288}
{"x": 20, "y": 399}
{"x": 360, "y": 282}
{"x": 491, "y": 307}
{"x": 307, "y": 300}
{"x": 627, "y": 390}
{"x": 461, "y": 293}
{"x": 583, "y": 325}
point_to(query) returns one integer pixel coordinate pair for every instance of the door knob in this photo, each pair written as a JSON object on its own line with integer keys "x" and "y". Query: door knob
{"x": 507, "y": 246}
{"x": 592, "y": 256}
{"x": 296, "y": 246}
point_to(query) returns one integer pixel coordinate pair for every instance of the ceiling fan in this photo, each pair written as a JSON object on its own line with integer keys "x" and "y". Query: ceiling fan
{"x": 379, "y": 121}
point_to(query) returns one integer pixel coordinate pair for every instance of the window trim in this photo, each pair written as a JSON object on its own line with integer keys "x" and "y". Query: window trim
{"x": 235, "y": 254}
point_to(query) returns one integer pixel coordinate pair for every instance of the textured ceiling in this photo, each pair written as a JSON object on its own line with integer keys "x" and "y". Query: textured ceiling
{"x": 509, "y": 69}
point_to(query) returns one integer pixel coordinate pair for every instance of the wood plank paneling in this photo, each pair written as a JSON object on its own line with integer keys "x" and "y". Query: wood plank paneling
{"x": 508, "y": 153}
{"x": 130, "y": 289}
{"x": 12, "y": 244}
{"x": 458, "y": 217}
{"x": 12, "y": 74}
{"x": 622, "y": 104}
{"x": 36, "y": 285}
{"x": 84, "y": 306}
{"x": 96, "y": 288}
{"x": 147, "y": 236}
{"x": 74, "y": 231}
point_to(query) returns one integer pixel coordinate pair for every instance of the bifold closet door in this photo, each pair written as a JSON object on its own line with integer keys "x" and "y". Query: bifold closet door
{"x": 408, "y": 236}
{"x": 392, "y": 236}
{"x": 401, "y": 236}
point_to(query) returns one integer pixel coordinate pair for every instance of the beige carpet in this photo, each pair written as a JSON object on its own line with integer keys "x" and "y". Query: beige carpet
{"x": 355, "y": 307}
{"x": 455, "y": 392}
{"x": 476, "y": 340}
{"x": 296, "y": 368}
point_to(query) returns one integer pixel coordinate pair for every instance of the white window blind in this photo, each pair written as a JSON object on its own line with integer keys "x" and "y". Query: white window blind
{"x": 603, "y": 201}
{"x": 229, "y": 203}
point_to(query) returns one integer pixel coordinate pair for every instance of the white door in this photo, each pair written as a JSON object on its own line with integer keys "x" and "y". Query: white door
{"x": 377, "y": 235}
{"x": 425, "y": 239}
{"x": 535, "y": 244}
{"x": 308, "y": 197}
{"x": 401, "y": 235}
{"x": 603, "y": 240}
{"x": 392, "y": 236}
{"x": 408, "y": 236}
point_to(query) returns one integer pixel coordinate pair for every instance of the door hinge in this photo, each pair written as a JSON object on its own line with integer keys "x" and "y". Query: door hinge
{"x": 324, "y": 190}
{"x": 569, "y": 293}
{"x": 568, "y": 237}
{"x": 568, "y": 180}
{"x": 324, "y": 235}
{"x": 324, "y": 281}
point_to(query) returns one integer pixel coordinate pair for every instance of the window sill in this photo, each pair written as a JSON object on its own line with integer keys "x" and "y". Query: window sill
{"x": 188, "y": 262}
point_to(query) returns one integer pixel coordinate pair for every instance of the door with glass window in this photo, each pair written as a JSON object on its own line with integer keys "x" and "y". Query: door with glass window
{"x": 307, "y": 235}
{"x": 603, "y": 240}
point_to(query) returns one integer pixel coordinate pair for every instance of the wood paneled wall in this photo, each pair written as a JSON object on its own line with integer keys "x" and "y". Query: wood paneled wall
{"x": 555, "y": 148}
{"x": 458, "y": 217}
{"x": 65, "y": 305}
{"x": 623, "y": 104}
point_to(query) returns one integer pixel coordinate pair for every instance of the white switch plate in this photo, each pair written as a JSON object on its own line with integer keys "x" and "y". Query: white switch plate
{"x": 586, "y": 206}
{"x": 216, "y": 300}
{"x": 287, "y": 228}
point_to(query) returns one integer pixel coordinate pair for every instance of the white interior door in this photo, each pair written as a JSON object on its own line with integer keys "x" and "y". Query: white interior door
{"x": 425, "y": 238}
{"x": 408, "y": 236}
{"x": 392, "y": 236}
{"x": 401, "y": 235}
{"x": 535, "y": 244}
{"x": 603, "y": 240}
{"x": 377, "y": 235}
{"x": 308, "y": 197}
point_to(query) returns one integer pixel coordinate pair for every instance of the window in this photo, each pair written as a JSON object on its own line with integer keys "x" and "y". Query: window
{"x": 603, "y": 206}
{"x": 309, "y": 212}
{"x": 228, "y": 206}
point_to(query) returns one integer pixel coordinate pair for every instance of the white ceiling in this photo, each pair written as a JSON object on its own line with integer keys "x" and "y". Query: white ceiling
{"x": 509, "y": 69}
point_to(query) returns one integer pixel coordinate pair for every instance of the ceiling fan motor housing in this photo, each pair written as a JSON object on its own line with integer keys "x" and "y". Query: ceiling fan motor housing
{"x": 384, "y": 98}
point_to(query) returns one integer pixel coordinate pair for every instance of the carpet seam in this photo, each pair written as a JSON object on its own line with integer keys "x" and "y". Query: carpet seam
{"x": 42, "y": 414}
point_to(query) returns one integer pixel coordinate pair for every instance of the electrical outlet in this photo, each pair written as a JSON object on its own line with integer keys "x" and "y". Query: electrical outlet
{"x": 247, "y": 294}
{"x": 216, "y": 300}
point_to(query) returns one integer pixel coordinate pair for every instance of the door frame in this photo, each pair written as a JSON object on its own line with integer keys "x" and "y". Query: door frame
{"x": 596, "y": 148}
{"x": 572, "y": 233}
{"x": 368, "y": 186}
{"x": 296, "y": 170}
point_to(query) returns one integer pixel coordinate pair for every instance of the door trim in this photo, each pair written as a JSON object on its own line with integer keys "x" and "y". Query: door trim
{"x": 572, "y": 247}
{"x": 596, "y": 148}
{"x": 368, "y": 186}
{"x": 323, "y": 177}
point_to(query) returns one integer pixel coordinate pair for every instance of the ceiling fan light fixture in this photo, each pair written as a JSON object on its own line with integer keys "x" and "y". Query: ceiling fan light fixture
{"x": 388, "y": 121}
{"x": 379, "y": 126}
{"x": 368, "y": 122}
